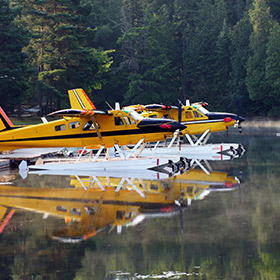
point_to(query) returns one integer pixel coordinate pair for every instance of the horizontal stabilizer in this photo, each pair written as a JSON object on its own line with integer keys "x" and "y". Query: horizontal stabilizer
{"x": 159, "y": 107}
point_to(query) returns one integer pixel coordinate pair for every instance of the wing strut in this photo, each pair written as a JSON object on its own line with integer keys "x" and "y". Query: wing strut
{"x": 97, "y": 129}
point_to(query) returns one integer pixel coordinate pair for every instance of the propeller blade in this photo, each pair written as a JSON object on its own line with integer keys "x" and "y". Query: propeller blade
{"x": 239, "y": 127}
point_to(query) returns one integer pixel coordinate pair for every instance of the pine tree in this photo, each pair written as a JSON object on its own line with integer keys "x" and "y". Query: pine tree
{"x": 239, "y": 50}
{"x": 60, "y": 48}
{"x": 148, "y": 48}
{"x": 272, "y": 74}
{"x": 222, "y": 68}
{"x": 257, "y": 85}
{"x": 14, "y": 72}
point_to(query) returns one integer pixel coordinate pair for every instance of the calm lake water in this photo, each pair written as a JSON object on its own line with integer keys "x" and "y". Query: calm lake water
{"x": 222, "y": 225}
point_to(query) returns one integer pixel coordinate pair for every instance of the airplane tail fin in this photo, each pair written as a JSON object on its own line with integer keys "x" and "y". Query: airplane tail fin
{"x": 79, "y": 100}
{"x": 5, "y": 122}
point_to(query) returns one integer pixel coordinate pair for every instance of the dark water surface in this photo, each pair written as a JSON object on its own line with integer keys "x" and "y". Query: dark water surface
{"x": 191, "y": 226}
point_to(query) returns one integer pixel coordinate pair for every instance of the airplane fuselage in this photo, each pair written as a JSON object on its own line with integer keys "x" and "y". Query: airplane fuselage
{"x": 114, "y": 129}
{"x": 197, "y": 120}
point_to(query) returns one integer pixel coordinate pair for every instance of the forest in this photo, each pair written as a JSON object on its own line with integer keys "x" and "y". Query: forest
{"x": 223, "y": 52}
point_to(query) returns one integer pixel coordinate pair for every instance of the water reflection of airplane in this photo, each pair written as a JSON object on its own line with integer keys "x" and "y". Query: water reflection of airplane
{"x": 88, "y": 211}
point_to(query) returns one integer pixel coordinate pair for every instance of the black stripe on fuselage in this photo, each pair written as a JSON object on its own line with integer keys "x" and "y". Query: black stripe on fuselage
{"x": 90, "y": 201}
{"x": 142, "y": 130}
{"x": 203, "y": 121}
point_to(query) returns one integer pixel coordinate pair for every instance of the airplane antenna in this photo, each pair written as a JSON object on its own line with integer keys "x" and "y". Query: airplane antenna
{"x": 109, "y": 105}
{"x": 117, "y": 106}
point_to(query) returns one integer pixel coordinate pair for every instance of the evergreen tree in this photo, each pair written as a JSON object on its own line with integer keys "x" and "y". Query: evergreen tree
{"x": 60, "y": 47}
{"x": 14, "y": 72}
{"x": 200, "y": 23}
{"x": 239, "y": 56}
{"x": 257, "y": 85}
{"x": 148, "y": 48}
{"x": 275, "y": 9}
{"x": 272, "y": 68}
{"x": 222, "y": 68}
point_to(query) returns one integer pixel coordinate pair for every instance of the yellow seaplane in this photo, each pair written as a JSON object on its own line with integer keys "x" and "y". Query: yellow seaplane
{"x": 196, "y": 117}
{"x": 89, "y": 210}
{"x": 84, "y": 126}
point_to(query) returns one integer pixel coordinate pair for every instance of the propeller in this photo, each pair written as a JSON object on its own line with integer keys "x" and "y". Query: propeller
{"x": 238, "y": 114}
{"x": 181, "y": 136}
{"x": 180, "y": 111}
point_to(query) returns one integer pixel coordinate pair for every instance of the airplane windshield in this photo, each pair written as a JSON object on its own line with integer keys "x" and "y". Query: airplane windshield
{"x": 134, "y": 115}
{"x": 203, "y": 110}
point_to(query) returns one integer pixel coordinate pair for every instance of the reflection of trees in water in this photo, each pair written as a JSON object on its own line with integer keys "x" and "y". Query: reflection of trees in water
{"x": 33, "y": 255}
{"x": 228, "y": 235}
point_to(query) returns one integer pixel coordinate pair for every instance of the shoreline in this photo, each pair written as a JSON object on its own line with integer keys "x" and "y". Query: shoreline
{"x": 261, "y": 122}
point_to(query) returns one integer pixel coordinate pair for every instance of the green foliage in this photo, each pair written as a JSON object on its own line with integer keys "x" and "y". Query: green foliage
{"x": 239, "y": 49}
{"x": 60, "y": 47}
{"x": 14, "y": 72}
{"x": 273, "y": 63}
{"x": 219, "y": 51}
{"x": 222, "y": 69}
{"x": 258, "y": 86}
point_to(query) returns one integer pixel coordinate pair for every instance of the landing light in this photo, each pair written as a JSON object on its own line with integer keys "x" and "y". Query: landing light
{"x": 227, "y": 119}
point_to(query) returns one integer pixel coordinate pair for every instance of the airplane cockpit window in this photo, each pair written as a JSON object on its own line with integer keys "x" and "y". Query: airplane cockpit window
{"x": 128, "y": 215}
{"x": 61, "y": 208}
{"x": 118, "y": 121}
{"x": 128, "y": 120}
{"x": 88, "y": 126}
{"x": 60, "y": 127}
{"x": 203, "y": 110}
{"x": 197, "y": 115}
{"x": 189, "y": 115}
{"x": 75, "y": 211}
{"x": 90, "y": 210}
{"x": 153, "y": 116}
{"x": 135, "y": 116}
{"x": 190, "y": 189}
{"x": 74, "y": 125}
{"x": 154, "y": 187}
{"x": 120, "y": 215}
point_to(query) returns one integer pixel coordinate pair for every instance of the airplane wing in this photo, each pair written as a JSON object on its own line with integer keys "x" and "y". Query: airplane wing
{"x": 79, "y": 100}
{"x": 78, "y": 113}
{"x": 137, "y": 107}
{"x": 159, "y": 107}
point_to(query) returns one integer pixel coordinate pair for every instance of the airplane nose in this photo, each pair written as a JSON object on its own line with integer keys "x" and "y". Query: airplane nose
{"x": 240, "y": 119}
{"x": 177, "y": 125}
{"x": 230, "y": 117}
{"x": 161, "y": 124}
